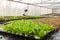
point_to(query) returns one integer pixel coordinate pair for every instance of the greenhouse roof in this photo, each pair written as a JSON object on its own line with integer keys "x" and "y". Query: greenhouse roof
{"x": 44, "y": 3}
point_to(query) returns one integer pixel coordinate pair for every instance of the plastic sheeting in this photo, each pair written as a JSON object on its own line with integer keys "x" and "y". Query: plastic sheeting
{"x": 8, "y": 8}
{"x": 37, "y": 11}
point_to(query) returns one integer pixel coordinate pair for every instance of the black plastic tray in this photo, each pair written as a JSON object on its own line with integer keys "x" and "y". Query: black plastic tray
{"x": 30, "y": 38}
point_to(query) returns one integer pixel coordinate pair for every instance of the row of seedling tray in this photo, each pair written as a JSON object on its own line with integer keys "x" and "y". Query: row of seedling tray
{"x": 28, "y": 29}
{"x": 10, "y": 18}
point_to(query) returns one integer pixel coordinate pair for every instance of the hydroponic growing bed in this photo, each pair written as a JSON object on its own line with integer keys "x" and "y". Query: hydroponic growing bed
{"x": 27, "y": 29}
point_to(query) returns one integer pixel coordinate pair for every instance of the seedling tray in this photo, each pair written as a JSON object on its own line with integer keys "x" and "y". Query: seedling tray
{"x": 30, "y": 38}
{"x": 19, "y": 19}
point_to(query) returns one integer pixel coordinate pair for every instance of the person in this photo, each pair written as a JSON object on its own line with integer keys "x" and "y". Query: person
{"x": 25, "y": 12}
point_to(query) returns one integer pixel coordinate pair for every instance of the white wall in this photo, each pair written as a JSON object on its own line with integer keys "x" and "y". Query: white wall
{"x": 37, "y": 11}
{"x": 33, "y": 10}
{"x": 49, "y": 11}
{"x": 45, "y": 10}
{"x": 57, "y": 10}
{"x": 8, "y": 8}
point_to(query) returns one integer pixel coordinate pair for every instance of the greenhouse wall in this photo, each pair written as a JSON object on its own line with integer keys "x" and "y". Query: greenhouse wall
{"x": 17, "y": 9}
{"x": 49, "y": 11}
{"x": 45, "y": 11}
{"x": 56, "y": 10}
{"x": 37, "y": 11}
{"x": 33, "y": 10}
{"x": 11, "y": 8}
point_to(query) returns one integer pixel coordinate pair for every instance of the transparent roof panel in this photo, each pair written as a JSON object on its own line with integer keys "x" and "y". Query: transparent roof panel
{"x": 45, "y": 3}
{"x": 40, "y": 1}
{"x": 50, "y": 5}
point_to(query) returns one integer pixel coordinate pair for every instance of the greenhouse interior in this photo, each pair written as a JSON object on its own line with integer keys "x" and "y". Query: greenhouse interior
{"x": 29, "y": 19}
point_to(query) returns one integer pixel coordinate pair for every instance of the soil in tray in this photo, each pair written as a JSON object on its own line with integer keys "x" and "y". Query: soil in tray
{"x": 51, "y": 21}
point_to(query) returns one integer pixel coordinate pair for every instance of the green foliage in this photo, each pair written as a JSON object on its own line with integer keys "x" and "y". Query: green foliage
{"x": 28, "y": 27}
{"x": 18, "y": 17}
